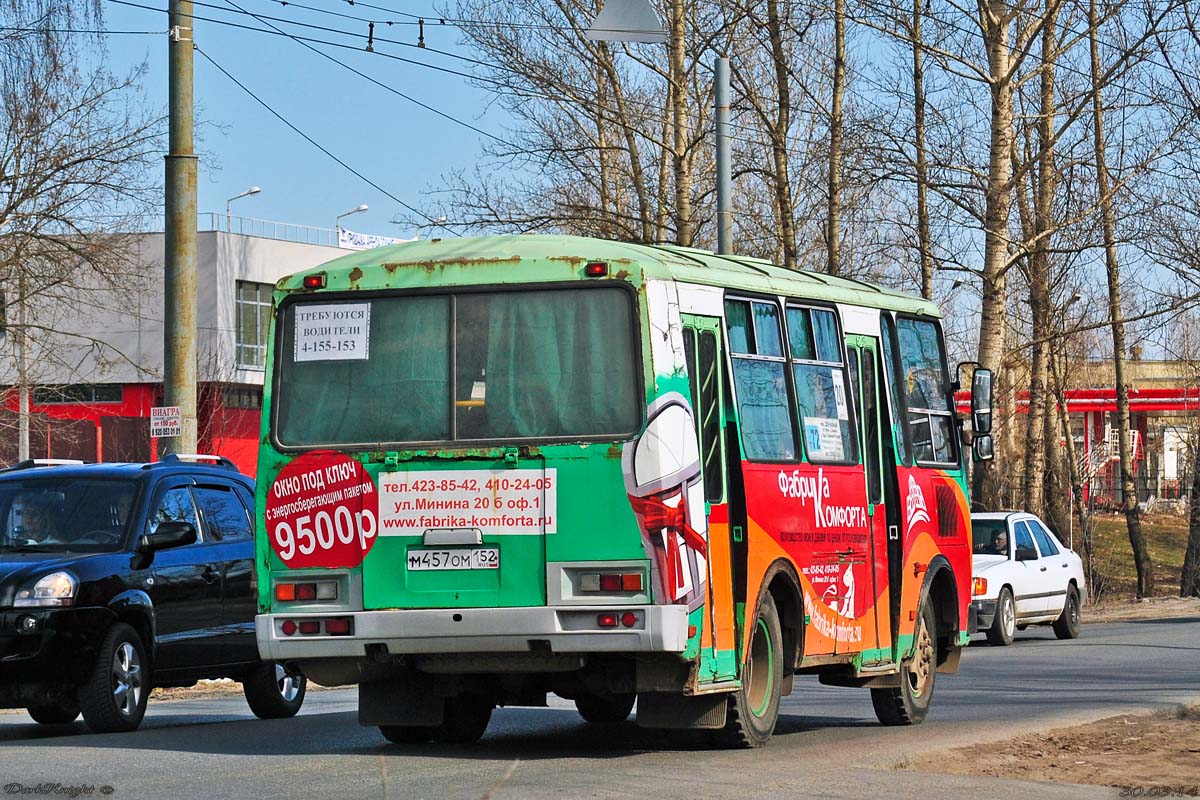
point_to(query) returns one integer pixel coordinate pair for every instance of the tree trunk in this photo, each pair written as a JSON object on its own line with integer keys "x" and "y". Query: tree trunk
{"x": 1189, "y": 583}
{"x": 1045, "y": 184}
{"x": 994, "y": 22}
{"x": 636, "y": 172}
{"x": 679, "y": 137}
{"x": 833, "y": 256}
{"x": 607, "y": 221}
{"x": 1141, "y": 555}
{"x": 924, "y": 244}
{"x": 784, "y": 206}
{"x": 1072, "y": 468}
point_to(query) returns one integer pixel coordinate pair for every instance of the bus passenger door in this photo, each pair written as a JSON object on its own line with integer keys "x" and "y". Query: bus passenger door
{"x": 702, "y": 348}
{"x": 863, "y": 354}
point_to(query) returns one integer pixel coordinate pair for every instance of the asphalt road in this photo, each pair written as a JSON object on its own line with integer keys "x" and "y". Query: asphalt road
{"x": 828, "y": 743}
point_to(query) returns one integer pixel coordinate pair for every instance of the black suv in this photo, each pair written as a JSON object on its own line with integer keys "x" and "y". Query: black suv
{"x": 118, "y": 577}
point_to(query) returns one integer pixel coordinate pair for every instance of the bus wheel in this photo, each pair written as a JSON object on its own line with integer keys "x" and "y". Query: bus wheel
{"x": 466, "y": 718}
{"x": 406, "y": 734}
{"x": 605, "y": 708}
{"x": 908, "y": 704}
{"x": 754, "y": 708}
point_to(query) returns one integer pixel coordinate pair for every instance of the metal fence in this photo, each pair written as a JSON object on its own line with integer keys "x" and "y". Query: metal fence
{"x": 269, "y": 229}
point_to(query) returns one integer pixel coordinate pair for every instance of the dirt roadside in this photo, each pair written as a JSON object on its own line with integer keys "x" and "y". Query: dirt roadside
{"x": 1160, "y": 750}
{"x": 1149, "y": 608}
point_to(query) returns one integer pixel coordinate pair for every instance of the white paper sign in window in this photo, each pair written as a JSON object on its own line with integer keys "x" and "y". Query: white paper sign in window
{"x": 332, "y": 332}
{"x": 823, "y": 437}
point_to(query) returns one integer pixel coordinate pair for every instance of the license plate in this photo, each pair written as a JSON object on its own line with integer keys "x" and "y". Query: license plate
{"x": 434, "y": 559}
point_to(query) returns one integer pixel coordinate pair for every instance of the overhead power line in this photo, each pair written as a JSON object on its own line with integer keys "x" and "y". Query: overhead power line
{"x": 342, "y": 45}
{"x": 319, "y": 146}
{"x": 381, "y": 84}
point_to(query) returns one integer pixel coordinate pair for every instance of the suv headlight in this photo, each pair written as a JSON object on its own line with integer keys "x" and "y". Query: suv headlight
{"x": 55, "y": 589}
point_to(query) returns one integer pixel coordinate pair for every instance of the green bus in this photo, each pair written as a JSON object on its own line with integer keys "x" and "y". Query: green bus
{"x": 498, "y": 468}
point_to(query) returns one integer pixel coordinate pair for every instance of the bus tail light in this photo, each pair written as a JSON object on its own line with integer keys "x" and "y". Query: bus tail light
{"x": 309, "y": 627}
{"x": 288, "y": 627}
{"x": 979, "y": 587}
{"x": 606, "y": 620}
{"x": 629, "y": 619}
{"x": 314, "y": 281}
{"x": 304, "y": 592}
{"x": 596, "y": 269}
{"x": 338, "y": 626}
{"x": 610, "y": 582}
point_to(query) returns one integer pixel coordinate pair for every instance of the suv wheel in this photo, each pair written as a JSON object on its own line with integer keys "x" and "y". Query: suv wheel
{"x": 274, "y": 690}
{"x": 114, "y": 696}
{"x": 59, "y": 713}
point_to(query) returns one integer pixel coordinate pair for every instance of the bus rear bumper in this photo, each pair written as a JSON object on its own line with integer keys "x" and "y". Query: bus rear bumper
{"x": 567, "y": 629}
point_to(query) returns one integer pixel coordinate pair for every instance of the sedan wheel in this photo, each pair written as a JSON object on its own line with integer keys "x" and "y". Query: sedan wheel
{"x": 1005, "y": 622}
{"x": 1067, "y": 624}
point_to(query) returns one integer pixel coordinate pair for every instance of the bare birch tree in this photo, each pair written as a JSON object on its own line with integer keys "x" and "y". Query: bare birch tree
{"x": 77, "y": 150}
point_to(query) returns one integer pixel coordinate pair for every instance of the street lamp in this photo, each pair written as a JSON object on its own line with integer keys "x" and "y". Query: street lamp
{"x": 229, "y": 202}
{"x": 338, "y": 223}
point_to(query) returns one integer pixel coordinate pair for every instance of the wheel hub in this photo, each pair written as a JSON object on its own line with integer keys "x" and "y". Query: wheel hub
{"x": 127, "y": 679}
{"x": 287, "y": 682}
{"x": 922, "y": 663}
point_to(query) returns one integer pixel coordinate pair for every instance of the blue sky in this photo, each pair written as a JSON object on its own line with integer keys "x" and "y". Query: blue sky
{"x": 402, "y": 147}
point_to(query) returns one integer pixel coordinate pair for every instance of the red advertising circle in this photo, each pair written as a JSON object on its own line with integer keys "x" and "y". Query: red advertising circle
{"x": 322, "y": 511}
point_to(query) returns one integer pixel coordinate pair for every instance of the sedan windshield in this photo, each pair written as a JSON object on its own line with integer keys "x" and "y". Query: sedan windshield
{"x": 989, "y": 537}
{"x": 61, "y": 514}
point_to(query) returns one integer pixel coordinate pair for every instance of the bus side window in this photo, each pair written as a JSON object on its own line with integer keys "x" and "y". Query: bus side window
{"x": 709, "y": 412}
{"x": 763, "y": 409}
{"x": 888, "y": 331}
{"x": 689, "y": 355}
{"x": 926, "y": 391}
{"x": 824, "y": 415}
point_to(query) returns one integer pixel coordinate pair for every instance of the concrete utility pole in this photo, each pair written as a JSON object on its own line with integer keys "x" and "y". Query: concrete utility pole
{"x": 22, "y": 369}
{"x": 179, "y": 284}
{"x": 724, "y": 179}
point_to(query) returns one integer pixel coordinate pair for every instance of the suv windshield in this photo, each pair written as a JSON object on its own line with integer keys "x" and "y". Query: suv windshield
{"x": 471, "y": 366}
{"x": 77, "y": 514}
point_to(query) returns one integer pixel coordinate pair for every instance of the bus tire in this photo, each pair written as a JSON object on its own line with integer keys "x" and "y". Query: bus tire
{"x": 1067, "y": 624}
{"x": 274, "y": 690}
{"x": 605, "y": 708}
{"x": 465, "y": 719}
{"x": 407, "y": 734}
{"x": 753, "y": 709}
{"x": 908, "y": 704}
{"x": 1001, "y": 632}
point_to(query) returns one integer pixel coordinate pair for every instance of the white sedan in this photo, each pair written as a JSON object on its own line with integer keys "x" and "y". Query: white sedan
{"x": 1023, "y": 575}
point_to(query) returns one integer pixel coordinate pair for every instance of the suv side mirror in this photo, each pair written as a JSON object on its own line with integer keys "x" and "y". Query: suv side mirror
{"x": 981, "y": 402}
{"x": 168, "y": 534}
{"x": 1026, "y": 554}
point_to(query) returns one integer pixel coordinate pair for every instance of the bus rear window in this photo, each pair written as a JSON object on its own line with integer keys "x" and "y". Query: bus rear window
{"x": 543, "y": 364}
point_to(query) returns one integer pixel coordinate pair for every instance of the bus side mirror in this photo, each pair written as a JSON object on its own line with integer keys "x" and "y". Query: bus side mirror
{"x": 982, "y": 448}
{"x": 981, "y": 403}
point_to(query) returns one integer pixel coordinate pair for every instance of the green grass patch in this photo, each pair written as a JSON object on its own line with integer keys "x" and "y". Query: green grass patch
{"x": 1166, "y": 538}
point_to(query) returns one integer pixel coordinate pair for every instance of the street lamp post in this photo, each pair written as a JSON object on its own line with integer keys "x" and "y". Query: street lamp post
{"x": 228, "y": 203}
{"x": 338, "y": 222}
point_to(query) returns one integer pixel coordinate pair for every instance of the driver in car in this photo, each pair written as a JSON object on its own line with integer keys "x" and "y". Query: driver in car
{"x": 1000, "y": 543}
{"x": 39, "y": 522}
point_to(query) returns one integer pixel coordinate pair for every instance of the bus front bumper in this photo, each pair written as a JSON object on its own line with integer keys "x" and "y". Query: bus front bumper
{"x": 567, "y": 629}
